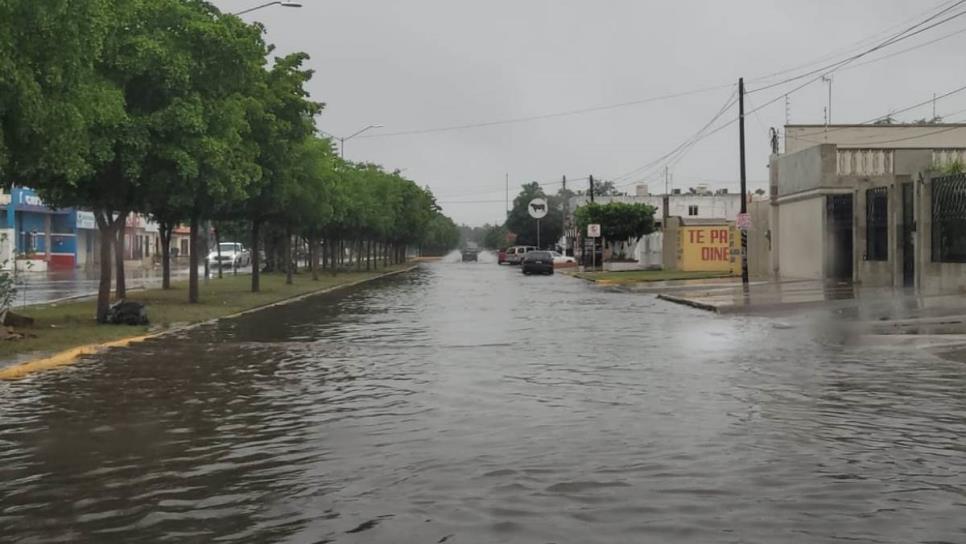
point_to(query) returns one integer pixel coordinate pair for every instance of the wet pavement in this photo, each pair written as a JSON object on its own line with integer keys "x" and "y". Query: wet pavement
{"x": 57, "y": 285}
{"x": 466, "y": 403}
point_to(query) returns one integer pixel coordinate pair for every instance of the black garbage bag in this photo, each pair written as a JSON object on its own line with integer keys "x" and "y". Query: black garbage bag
{"x": 124, "y": 312}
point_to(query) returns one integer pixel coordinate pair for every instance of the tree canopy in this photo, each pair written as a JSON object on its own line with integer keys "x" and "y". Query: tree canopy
{"x": 525, "y": 227}
{"x": 619, "y": 221}
{"x": 170, "y": 108}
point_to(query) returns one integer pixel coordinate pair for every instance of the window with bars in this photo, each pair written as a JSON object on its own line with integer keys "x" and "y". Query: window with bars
{"x": 692, "y": 210}
{"x": 877, "y": 224}
{"x": 949, "y": 219}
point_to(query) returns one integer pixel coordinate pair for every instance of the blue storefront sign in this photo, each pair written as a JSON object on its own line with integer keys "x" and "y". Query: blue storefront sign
{"x": 39, "y": 231}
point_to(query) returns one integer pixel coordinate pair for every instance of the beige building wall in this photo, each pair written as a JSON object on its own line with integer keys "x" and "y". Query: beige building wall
{"x": 759, "y": 240}
{"x": 799, "y": 137}
{"x": 801, "y": 253}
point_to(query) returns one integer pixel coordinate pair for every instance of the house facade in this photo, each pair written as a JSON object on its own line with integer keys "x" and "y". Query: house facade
{"x": 868, "y": 204}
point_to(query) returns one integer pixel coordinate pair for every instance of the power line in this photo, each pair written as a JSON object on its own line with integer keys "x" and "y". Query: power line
{"x": 546, "y": 115}
{"x": 831, "y": 67}
{"x": 904, "y": 35}
{"x": 868, "y": 39}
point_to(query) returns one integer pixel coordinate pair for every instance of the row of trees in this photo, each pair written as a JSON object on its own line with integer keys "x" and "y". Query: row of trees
{"x": 170, "y": 108}
{"x": 619, "y": 221}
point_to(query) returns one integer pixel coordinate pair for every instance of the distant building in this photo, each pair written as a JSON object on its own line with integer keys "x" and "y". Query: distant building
{"x": 42, "y": 236}
{"x": 649, "y": 250}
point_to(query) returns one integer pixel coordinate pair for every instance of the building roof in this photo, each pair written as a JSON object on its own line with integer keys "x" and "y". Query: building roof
{"x": 698, "y": 221}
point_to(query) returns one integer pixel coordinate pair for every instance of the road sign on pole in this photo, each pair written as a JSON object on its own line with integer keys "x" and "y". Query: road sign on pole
{"x": 744, "y": 221}
{"x": 537, "y": 208}
{"x": 593, "y": 230}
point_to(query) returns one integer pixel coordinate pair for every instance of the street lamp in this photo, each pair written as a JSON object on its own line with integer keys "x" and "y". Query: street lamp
{"x": 351, "y": 136}
{"x": 267, "y": 4}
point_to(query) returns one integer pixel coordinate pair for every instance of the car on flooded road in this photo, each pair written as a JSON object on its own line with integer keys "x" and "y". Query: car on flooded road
{"x": 562, "y": 261}
{"x": 537, "y": 262}
{"x": 515, "y": 254}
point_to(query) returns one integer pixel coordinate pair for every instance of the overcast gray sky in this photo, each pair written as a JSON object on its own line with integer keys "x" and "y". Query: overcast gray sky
{"x": 424, "y": 64}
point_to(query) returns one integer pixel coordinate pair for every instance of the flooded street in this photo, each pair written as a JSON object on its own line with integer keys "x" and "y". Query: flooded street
{"x": 466, "y": 403}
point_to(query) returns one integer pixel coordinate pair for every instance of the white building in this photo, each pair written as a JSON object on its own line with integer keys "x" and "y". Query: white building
{"x": 647, "y": 250}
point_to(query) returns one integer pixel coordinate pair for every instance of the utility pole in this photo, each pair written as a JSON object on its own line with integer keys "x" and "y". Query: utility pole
{"x": 566, "y": 215}
{"x": 744, "y": 186}
{"x": 667, "y": 182}
{"x": 506, "y": 203}
{"x": 828, "y": 79}
{"x": 593, "y": 251}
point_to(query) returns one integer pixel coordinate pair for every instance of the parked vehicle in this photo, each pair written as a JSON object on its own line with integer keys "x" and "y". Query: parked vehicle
{"x": 515, "y": 254}
{"x": 501, "y": 256}
{"x": 562, "y": 261}
{"x": 537, "y": 262}
{"x": 233, "y": 255}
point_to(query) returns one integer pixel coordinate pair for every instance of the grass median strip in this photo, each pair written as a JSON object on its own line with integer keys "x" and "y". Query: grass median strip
{"x": 642, "y": 276}
{"x": 68, "y": 325}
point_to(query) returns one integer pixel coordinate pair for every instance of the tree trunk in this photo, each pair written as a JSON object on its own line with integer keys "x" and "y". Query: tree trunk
{"x": 106, "y": 231}
{"x": 289, "y": 265}
{"x": 368, "y": 254}
{"x": 166, "y": 230}
{"x": 120, "y": 285}
{"x": 193, "y": 263}
{"x": 204, "y": 251}
{"x": 218, "y": 250}
{"x": 325, "y": 253}
{"x": 256, "y": 258}
{"x": 314, "y": 257}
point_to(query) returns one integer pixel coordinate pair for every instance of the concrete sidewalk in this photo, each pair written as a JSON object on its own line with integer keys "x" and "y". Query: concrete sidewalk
{"x": 867, "y": 316}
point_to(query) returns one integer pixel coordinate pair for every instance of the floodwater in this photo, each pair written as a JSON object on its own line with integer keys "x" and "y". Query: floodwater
{"x": 466, "y": 403}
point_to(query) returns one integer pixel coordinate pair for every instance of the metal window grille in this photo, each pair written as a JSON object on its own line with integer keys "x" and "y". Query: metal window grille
{"x": 949, "y": 219}
{"x": 877, "y": 224}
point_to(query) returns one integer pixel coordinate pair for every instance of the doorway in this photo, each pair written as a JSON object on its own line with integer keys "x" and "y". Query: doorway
{"x": 907, "y": 234}
{"x": 838, "y": 219}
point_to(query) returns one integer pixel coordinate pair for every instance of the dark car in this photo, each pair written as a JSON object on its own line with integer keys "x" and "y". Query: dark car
{"x": 470, "y": 255}
{"x": 537, "y": 262}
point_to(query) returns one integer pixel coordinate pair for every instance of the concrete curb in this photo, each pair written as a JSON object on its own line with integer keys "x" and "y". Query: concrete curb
{"x": 69, "y": 356}
{"x": 688, "y": 302}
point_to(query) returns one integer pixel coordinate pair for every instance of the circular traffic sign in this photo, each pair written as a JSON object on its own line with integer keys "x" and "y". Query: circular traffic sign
{"x": 537, "y": 208}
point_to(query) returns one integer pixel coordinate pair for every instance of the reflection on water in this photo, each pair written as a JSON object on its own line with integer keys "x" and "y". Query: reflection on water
{"x": 468, "y": 403}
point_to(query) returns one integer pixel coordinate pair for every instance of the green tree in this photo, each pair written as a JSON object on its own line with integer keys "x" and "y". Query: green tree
{"x": 281, "y": 120}
{"x": 495, "y": 237}
{"x": 619, "y": 221}
{"x": 525, "y": 227}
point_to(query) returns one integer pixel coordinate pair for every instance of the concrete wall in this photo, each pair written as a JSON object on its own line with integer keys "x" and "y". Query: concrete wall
{"x": 805, "y": 170}
{"x": 799, "y": 137}
{"x": 802, "y": 251}
{"x": 759, "y": 240}
{"x": 876, "y": 273}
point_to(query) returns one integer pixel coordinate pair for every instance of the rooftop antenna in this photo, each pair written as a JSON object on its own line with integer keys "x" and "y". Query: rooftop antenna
{"x": 827, "y": 78}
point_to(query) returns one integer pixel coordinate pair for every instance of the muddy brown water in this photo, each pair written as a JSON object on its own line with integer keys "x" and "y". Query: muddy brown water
{"x": 466, "y": 403}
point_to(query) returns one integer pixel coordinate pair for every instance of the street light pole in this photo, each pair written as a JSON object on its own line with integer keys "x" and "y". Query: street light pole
{"x": 342, "y": 140}
{"x": 267, "y": 4}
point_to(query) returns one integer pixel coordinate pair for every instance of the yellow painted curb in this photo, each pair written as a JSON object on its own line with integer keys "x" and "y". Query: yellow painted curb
{"x": 71, "y": 355}
{"x": 65, "y": 357}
